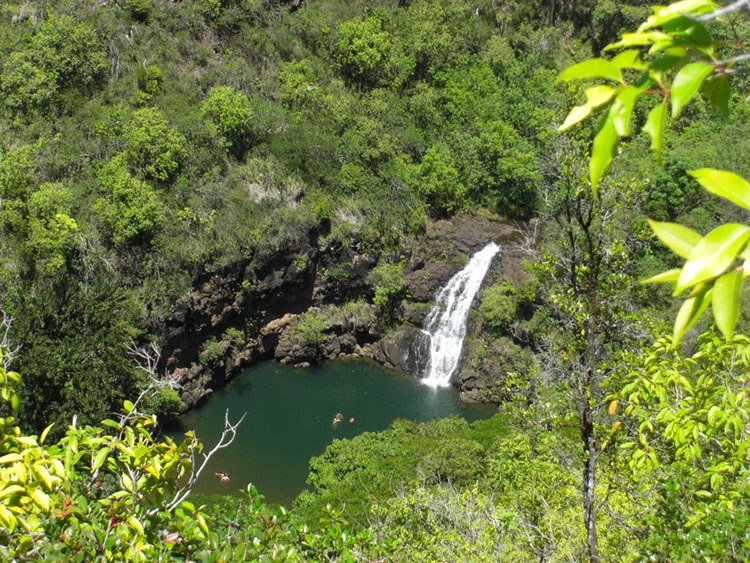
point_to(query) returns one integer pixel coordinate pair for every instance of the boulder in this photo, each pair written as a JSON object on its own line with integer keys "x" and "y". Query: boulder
{"x": 406, "y": 349}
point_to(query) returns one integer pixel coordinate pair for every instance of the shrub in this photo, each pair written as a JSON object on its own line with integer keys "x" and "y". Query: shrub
{"x": 155, "y": 149}
{"x": 130, "y": 209}
{"x": 211, "y": 351}
{"x": 498, "y": 307}
{"x": 51, "y": 229}
{"x": 311, "y": 326}
{"x": 231, "y": 114}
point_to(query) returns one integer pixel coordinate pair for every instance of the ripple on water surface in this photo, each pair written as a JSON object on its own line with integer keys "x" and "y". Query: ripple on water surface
{"x": 290, "y": 414}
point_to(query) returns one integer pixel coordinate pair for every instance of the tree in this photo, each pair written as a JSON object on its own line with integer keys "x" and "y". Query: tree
{"x": 587, "y": 278}
{"x": 368, "y": 55}
{"x": 63, "y": 54}
{"x": 110, "y": 492}
{"x": 51, "y": 229}
{"x": 231, "y": 114}
{"x": 691, "y": 414}
{"x": 130, "y": 209}
{"x": 155, "y": 150}
{"x": 438, "y": 181}
{"x": 686, "y": 426}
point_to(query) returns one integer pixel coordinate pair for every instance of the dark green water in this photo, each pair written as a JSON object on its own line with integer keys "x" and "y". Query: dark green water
{"x": 289, "y": 419}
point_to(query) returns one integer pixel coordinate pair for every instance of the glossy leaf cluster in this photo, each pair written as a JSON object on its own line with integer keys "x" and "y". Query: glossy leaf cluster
{"x": 672, "y": 56}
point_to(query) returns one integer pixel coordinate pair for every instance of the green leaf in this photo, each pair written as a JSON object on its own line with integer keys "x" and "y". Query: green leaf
{"x": 42, "y": 474}
{"x": 595, "y": 97}
{"x": 7, "y": 519}
{"x": 101, "y": 455}
{"x": 11, "y": 490}
{"x": 718, "y": 92}
{"x": 665, "y": 14}
{"x": 677, "y": 238}
{"x": 41, "y": 499}
{"x": 45, "y": 432}
{"x": 639, "y": 39}
{"x": 630, "y": 58}
{"x": 135, "y": 524}
{"x": 695, "y": 34}
{"x": 724, "y": 184}
{"x": 689, "y": 313}
{"x": 623, "y": 108}
{"x": 603, "y": 150}
{"x": 11, "y": 458}
{"x": 668, "y": 276}
{"x": 591, "y": 68}
{"x": 713, "y": 254}
{"x": 655, "y": 126}
{"x": 686, "y": 84}
{"x": 726, "y": 302}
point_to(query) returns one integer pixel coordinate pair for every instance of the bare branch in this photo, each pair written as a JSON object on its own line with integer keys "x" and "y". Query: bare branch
{"x": 724, "y": 10}
{"x": 225, "y": 440}
{"x": 8, "y": 351}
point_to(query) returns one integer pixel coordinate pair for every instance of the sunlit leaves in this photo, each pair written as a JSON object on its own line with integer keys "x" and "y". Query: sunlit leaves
{"x": 711, "y": 268}
{"x": 690, "y": 311}
{"x": 668, "y": 276}
{"x": 595, "y": 97}
{"x": 603, "y": 150}
{"x": 591, "y": 68}
{"x": 685, "y": 46}
{"x": 683, "y": 66}
{"x": 713, "y": 255}
{"x": 654, "y": 126}
{"x": 725, "y": 302}
{"x": 622, "y": 108}
{"x": 686, "y": 84}
{"x": 677, "y": 238}
{"x": 666, "y": 14}
{"x": 692, "y": 413}
{"x": 724, "y": 184}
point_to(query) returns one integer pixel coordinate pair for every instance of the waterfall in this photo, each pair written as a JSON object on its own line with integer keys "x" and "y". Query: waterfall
{"x": 446, "y": 323}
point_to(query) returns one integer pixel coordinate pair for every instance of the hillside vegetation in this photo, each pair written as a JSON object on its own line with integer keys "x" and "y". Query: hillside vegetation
{"x": 146, "y": 144}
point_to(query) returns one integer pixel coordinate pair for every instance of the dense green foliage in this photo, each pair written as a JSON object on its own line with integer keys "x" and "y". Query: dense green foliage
{"x": 144, "y": 141}
{"x": 147, "y": 142}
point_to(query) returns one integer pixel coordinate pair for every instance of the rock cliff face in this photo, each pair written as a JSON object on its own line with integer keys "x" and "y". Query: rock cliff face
{"x": 444, "y": 250}
{"x": 288, "y": 301}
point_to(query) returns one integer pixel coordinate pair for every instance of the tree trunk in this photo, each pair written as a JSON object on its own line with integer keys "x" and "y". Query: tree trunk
{"x": 588, "y": 392}
{"x": 589, "y": 482}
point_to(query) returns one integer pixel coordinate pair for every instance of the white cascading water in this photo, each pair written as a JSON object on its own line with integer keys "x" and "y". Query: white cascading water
{"x": 446, "y": 323}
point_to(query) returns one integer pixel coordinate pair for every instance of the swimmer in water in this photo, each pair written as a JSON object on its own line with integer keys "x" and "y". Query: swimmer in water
{"x": 336, "y": 419}
{"x": 223, "y": 477}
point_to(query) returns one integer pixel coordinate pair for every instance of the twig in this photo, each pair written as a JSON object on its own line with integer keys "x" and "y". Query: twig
{"x": 225, "y": 440}
{"x": 718, "y": 12}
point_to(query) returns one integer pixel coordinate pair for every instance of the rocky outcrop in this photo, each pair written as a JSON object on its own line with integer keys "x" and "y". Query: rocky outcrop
{"x": 290, "y": 300}
{"x": 406, "y": 350}
{"x": 255, "y": 298}
{"x": 340, "y": 332}
{"x": 448, "y": 245}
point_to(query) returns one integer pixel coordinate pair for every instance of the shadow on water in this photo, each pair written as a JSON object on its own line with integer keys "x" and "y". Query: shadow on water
{"x": 290, "y": 414}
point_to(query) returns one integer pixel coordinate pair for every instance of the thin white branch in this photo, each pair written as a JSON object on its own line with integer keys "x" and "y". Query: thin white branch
{"x": 8, "y": 352}
{"x": 717, "y": 13}
{"x": 225, "y": 440}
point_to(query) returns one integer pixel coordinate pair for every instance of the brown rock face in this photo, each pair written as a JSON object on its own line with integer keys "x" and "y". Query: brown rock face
{"x": 262, "y": 296}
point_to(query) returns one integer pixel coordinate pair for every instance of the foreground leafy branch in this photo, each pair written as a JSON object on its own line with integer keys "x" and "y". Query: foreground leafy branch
{"x": 673, "y": 56}
{"x": 110, "y": 492}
